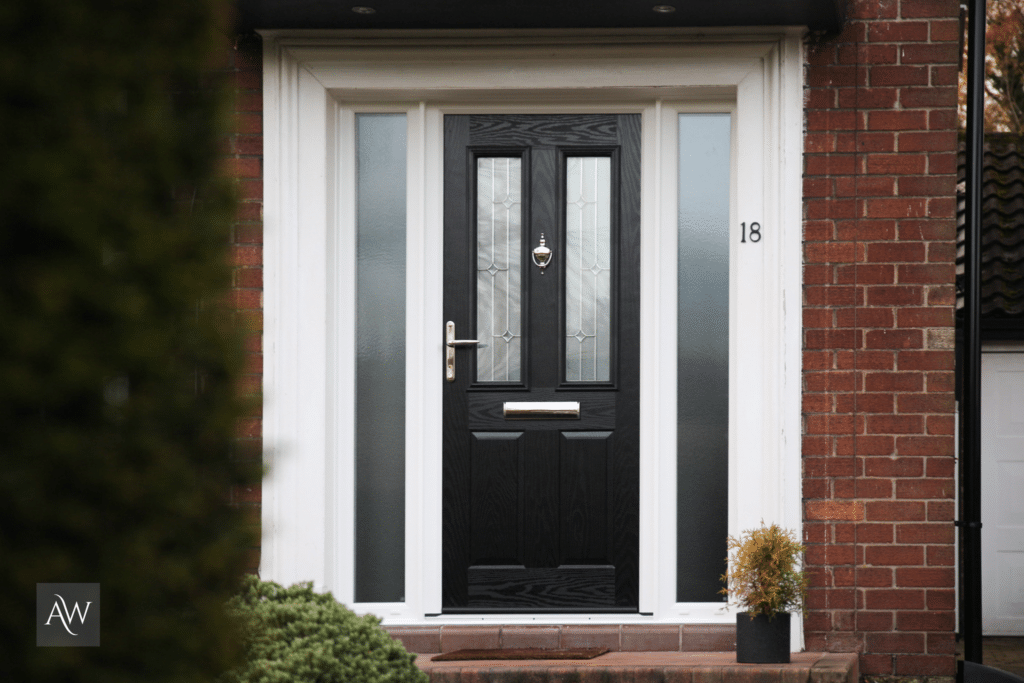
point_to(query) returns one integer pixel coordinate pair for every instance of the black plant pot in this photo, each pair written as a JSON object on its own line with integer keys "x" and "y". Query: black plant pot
{"x": 762, "y": 640}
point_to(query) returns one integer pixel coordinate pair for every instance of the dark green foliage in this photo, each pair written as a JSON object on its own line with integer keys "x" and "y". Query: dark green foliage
{"x": 116, "y": 366}
{"x": 295, "y": 635}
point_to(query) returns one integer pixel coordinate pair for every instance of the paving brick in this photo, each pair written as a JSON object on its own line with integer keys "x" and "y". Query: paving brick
{"x": 590, "y": 636}
{"x": 642, "y": 638}
{"x": 530, "y": 636}
{"x": 420, "y": 639}
{"x": 470, "y": 637}
{"x": 708, "y": 638}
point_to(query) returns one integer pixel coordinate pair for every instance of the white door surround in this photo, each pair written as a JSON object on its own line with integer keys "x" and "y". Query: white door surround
{"x": 315, "y": 83}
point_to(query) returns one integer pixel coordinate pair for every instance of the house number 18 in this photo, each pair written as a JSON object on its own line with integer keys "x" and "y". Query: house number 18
{"x": 755, "y": 232}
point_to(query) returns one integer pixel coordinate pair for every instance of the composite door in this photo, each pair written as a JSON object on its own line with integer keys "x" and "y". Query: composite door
{"x": 541, "y": 444}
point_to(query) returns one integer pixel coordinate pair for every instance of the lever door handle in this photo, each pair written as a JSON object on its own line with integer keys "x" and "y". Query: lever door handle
{"x": 462, "y": 342}
{"x": 450, "y": 342}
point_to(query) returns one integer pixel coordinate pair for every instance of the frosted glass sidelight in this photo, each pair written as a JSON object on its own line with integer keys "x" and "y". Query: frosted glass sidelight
{"x": 703, "y": 389}
{"x": 499, "y": 249}
{"x": 380, "y": 358}
{"x": 588, "y": 274}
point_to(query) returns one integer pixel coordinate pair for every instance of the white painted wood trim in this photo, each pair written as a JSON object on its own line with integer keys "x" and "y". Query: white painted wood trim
{"x": 274, "y": 410}
{"x": 313, "y": 83}
{"x": 341, "y": 254}
{"x": 790, "y": 197}
{"x": 430, "y": 548}
{"x": 657, "y": 399}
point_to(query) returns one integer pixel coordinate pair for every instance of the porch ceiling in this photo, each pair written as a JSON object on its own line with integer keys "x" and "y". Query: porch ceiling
{"x": 825, "y": 15}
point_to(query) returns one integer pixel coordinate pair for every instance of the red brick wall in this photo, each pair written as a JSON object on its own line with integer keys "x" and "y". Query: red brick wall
{"x": 245, "y": 160}
{"x": 878, "y": 339}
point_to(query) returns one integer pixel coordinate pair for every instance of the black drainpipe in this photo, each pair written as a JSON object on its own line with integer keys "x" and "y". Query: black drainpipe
{"x": 970, "y": 404}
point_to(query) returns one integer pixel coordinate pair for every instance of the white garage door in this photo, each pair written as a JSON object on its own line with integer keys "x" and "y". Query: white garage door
{"x": 1002, "y": 500}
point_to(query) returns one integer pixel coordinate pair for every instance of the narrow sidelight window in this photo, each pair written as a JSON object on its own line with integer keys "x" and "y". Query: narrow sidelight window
{"x": 380, "y": 358}
{"x": 703, "y": 389}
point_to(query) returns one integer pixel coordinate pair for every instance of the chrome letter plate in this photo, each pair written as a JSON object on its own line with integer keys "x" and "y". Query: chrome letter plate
{"x": 542, "y": 410}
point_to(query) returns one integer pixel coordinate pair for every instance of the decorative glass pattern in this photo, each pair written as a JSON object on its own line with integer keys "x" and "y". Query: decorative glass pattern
{"x": 499, "y": 239}
{"x": 588, "y": 274}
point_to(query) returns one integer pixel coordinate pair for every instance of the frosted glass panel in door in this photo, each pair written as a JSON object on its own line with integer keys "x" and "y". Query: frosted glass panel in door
{"x": 499, "y": 236}
{"x": 588, "y": 274}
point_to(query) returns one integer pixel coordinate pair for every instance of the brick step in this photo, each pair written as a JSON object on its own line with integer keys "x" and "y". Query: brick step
{"x": 615, "y": 637}
{"x": 649, "y": 667}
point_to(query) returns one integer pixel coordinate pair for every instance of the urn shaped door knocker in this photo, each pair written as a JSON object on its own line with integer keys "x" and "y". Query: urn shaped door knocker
{"x": 541, "y": 255}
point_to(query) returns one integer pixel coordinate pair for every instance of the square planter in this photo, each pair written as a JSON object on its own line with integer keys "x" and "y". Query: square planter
{"x": 762, "y": 640}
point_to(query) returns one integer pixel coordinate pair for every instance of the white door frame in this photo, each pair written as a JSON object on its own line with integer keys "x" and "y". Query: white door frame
{"x": 313, "y": 84}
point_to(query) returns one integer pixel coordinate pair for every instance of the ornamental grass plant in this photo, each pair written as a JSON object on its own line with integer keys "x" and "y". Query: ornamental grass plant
{"x": 764, "y": 575}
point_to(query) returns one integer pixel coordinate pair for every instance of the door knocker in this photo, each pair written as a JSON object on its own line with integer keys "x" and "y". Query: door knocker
{"x": 541, "y": 255}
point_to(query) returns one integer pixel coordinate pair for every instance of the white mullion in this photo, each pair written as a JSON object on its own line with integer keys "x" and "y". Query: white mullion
{"x": 432, "y": 136}
{"x": 657, "y": 399}
{"x": 417, "y": 354}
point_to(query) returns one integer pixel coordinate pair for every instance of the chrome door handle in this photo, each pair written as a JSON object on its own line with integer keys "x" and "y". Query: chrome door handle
{"x": 450, "y": 342}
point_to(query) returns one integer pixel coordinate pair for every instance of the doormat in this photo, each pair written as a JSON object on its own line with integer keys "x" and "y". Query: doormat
{"x": 521, "y": 653}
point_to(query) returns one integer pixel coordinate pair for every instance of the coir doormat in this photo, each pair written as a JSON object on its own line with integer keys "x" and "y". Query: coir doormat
{"x": 521, "y": 653}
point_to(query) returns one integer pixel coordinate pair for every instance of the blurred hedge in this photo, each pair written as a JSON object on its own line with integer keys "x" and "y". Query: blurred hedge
{"x": 296, "y": 635}
{"x": 116, "y": 361}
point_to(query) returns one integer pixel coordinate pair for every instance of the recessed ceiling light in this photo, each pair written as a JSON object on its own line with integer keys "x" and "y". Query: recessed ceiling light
{"x": 664, "y": 9}
{"x": 358, "y": 9}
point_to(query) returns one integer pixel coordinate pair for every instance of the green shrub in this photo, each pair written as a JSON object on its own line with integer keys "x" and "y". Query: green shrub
{"x": 764, "y": 575}
{"x": 296, "y": 635}
{"x": 117, "y": 398}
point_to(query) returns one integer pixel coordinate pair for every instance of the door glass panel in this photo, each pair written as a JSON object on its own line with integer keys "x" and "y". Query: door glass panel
{"x": 380, "y": 358}
{"x": 703, "y": 390}
{"x": 499, "y": 238}
{"x": 588, "y": 274}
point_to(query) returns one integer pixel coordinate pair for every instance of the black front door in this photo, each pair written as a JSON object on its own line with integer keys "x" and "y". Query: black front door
{"x": 541, "y": 442}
